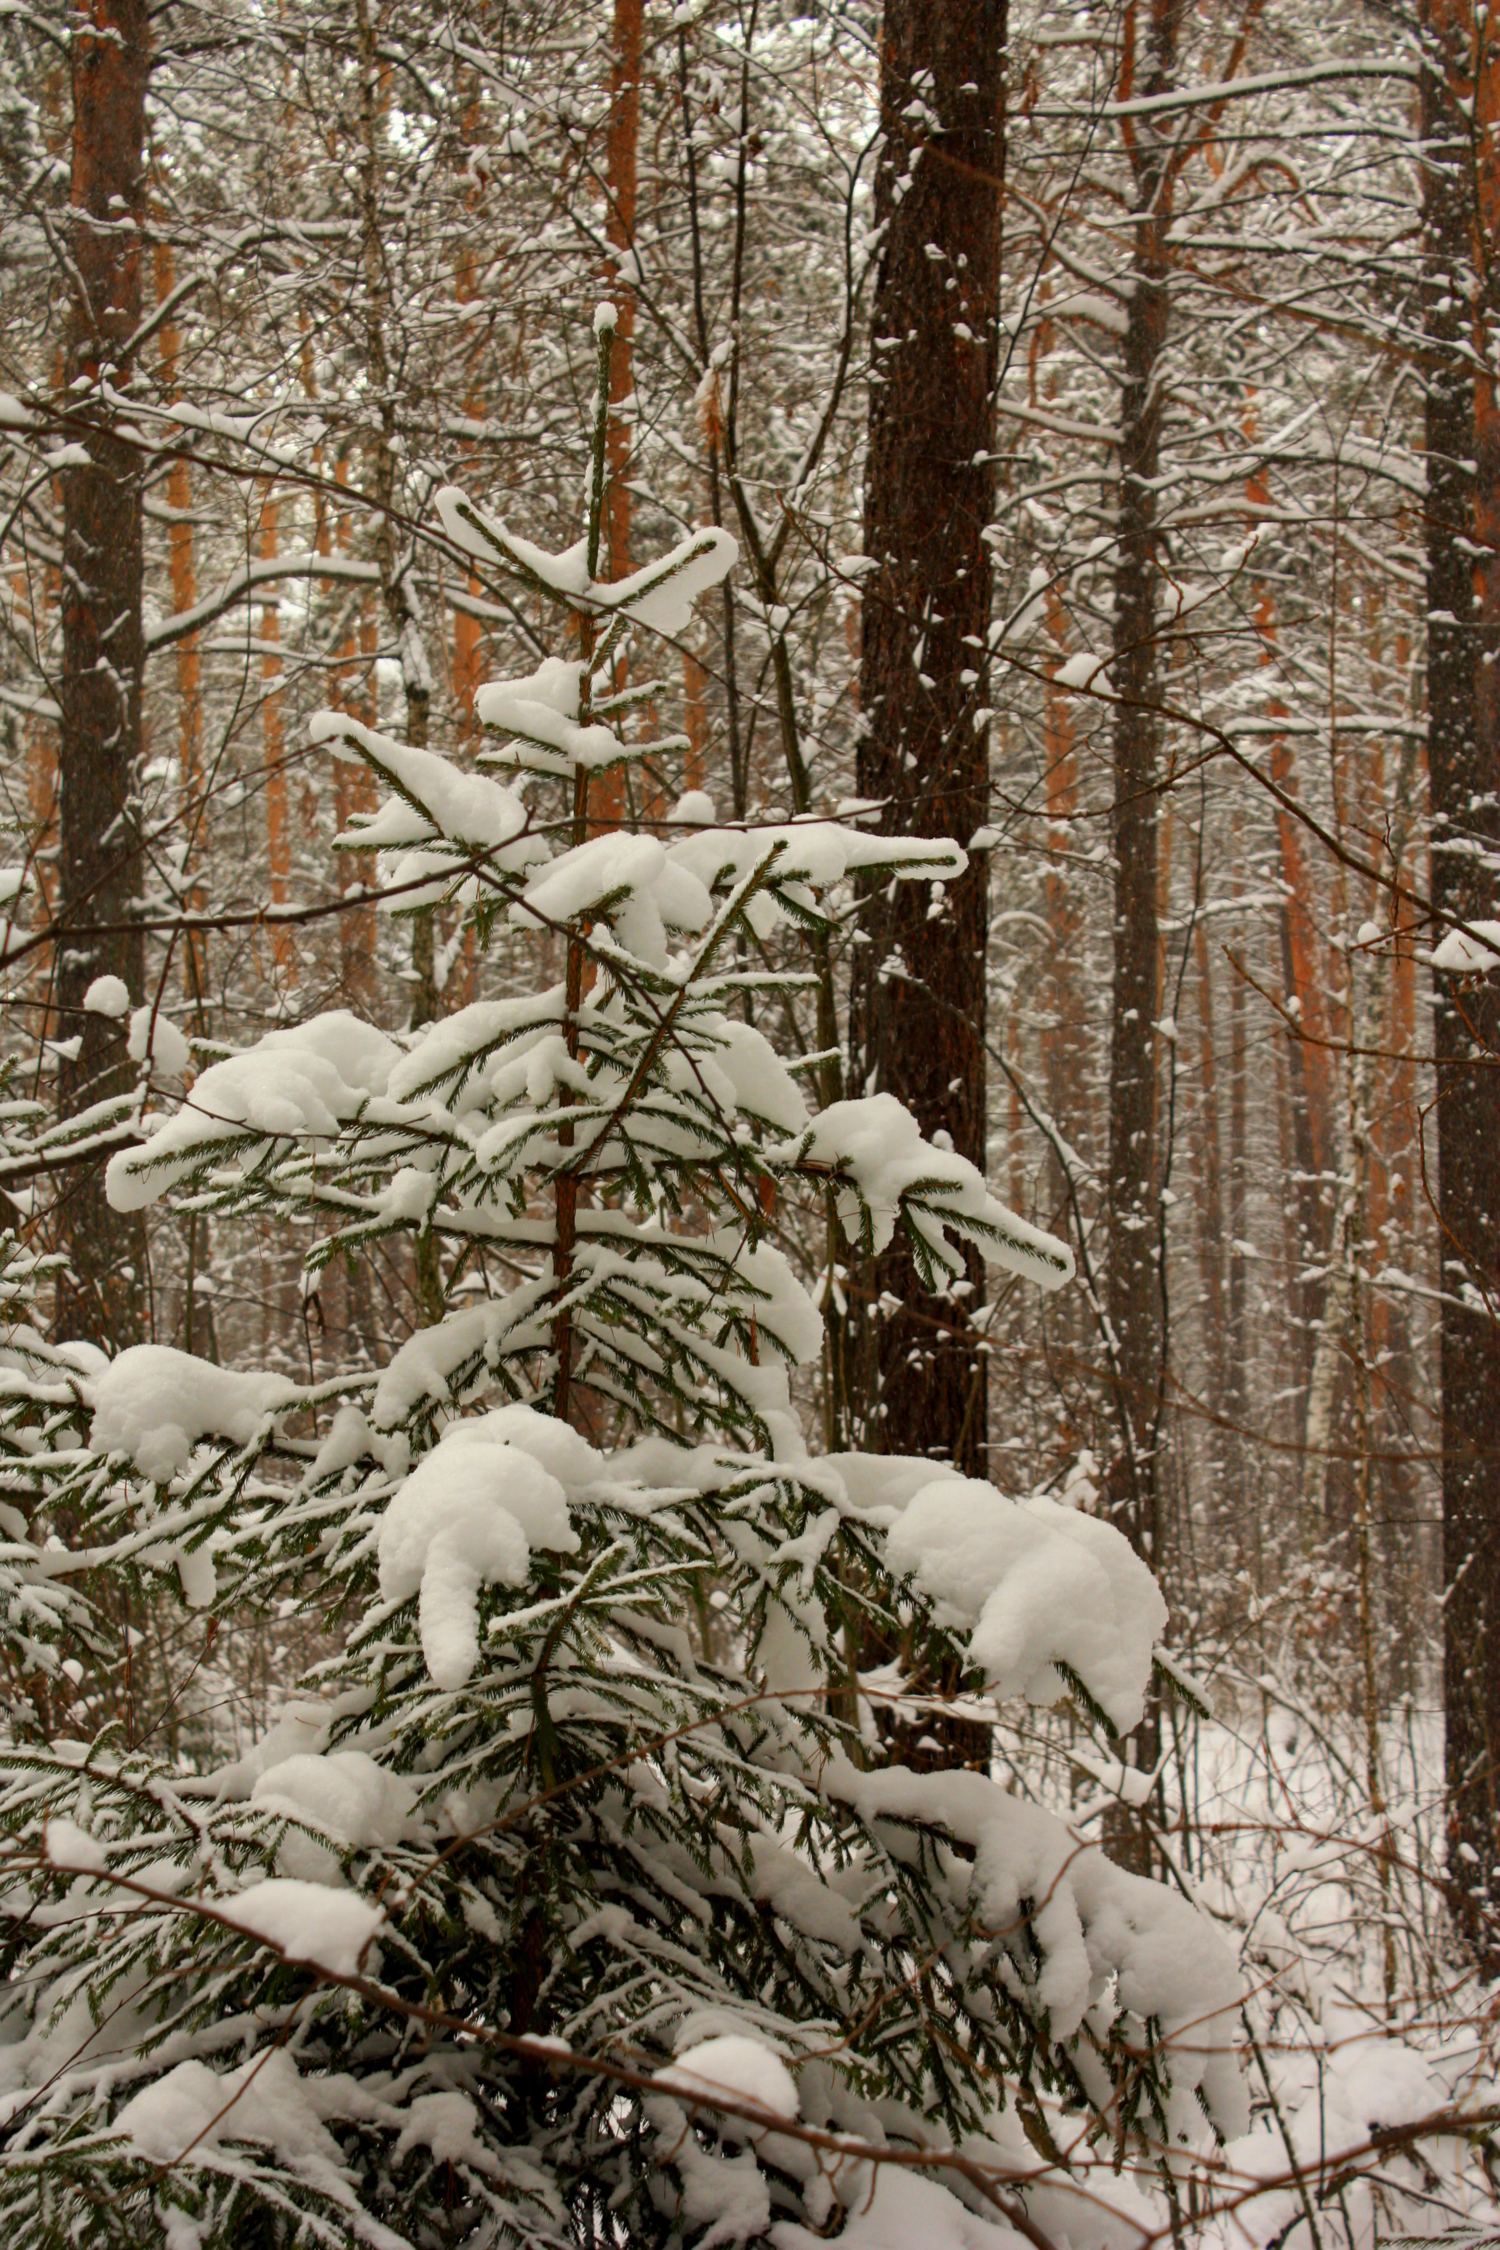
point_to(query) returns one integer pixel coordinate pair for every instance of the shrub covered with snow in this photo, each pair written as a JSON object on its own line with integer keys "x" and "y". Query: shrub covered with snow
{"x": 548, "y": 1917}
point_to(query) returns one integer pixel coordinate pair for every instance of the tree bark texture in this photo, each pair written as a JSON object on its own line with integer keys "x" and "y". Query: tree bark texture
{"x": 101, "y": 1295}
{"x": 1136, "y": 1343}
{"x": 918, "y": 1023}
{"x": 1463, "y": 718}
{"x": 1133, "y": 1280}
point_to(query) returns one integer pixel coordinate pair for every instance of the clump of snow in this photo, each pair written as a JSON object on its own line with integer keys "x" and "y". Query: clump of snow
{"x": 807, "y": 852}
{"x": 554, "y": 1444}
{"x": 423, "y": 1367}
{"x": 693, "y": 809}
{"x": 344, "y": 1793}
{"x": 660, "y": 595}
{"x": 466, "y": 807}
{"x": 308, "y": 1080}
{"x": 1040, "y": 1584}
{"x": 883, "y": 1484}
{"x": 107, "y": 996}
{"x": 1465, "y": 955}
{"x": 153, "y": 1034}
{"x": 1105, "y": 1936}
{"x": 349, "y": 1438}
{"x": 1085, "y": 670}
{"x": 439, "y": 814}
{"x": 468, "y": 1516}
{"x": 646, "y": 892}
{"x": 540, "y": 711}
{"x": 300, "y": 1730}
{"x": 448, "y": 2125}
{"x": 265, "y": 2101}
{"x": 70, "y": 1847}
{"x": 1369, "y": 2081}
{"x": 307, "y": 1922}
{"x": 900, "y": 2210}
{"x": 155, "y": 1404}
{"x": 724, "y": 2199}
{"x": 875, "y": 1145}
{"x": 737, "y": 2067}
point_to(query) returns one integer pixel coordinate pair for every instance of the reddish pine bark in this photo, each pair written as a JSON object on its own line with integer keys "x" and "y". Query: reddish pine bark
{"x": 188, "y": 655}
{"x": 99, "y": 868}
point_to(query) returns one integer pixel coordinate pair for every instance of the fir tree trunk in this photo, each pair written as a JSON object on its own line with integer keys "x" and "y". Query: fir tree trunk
{"x": 1464, "y": 765}
{"x": 919, "y": 998}
{"x": 102, "y": 1294}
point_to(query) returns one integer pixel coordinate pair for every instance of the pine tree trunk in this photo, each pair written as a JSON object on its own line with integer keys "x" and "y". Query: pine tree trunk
{"x": 273, "y": 744}
{"x": 1133, "y": 1288}
{"x": 101, "y": 1297}
{"x": 1464, "y": 761}
{"x": 189, "y": 661}
{"x": 1309, "y": 1065}
{"x": 1246, "y": 1549}
{"x": 1064, "y": 1042}
{"x": 619, "y": 269}
{"x": 1211, "y": 1247}
{"x": 919, "y": 994}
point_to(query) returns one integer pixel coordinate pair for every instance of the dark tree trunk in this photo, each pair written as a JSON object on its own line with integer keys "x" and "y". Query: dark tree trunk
{"x": 1133, "y": 1286}
{"x": 919, "y": 987}
{"x": 102, "y": 1296}
{"x": 1463, "y": 742}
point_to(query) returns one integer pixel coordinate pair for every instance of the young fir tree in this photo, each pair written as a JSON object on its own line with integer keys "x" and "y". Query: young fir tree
{"x": 574, "y": 1904}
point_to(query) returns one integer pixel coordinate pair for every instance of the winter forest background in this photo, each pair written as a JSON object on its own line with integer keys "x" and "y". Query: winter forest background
{"x": 873, "y": 1020}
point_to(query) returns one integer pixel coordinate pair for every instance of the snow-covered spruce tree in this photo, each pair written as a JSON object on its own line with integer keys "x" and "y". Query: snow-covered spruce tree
{"x": 572, "y": 1904}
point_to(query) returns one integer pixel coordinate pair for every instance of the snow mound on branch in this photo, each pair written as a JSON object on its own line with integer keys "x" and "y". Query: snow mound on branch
{"x": 1100, "y": 1929}
{"x": 877, "y": 1148}
{"x": 899, "y": 2210}
{"x": 72, "y": 1848}
{"x": 660, "y": 595}
{"x": 1040, "y": 1585}
{"x": 555, "y": 1445}
{"x": 882, "y": 1484}
{"x": 735, "y": 2066}
{"x": 308, "y": 1080}
{"x": 107, "y": 996}
{"x": 821, "y": 852}
{"x": 307, "y": 1922}
{"x": 424, "y": 1366}
{"x": 448, "y": 2125}
{"x": 154, "y": 1036}
{"x": 265, "y": 2101}
{"x": 156, "y": 1404}
{"x": 301, "y": 1730}
{"x": 1368, "y": 2083}
{"x": 646, "y": 893}
{"x": 346, "y": 1794}
{"x": 437, "y": 798}
{"x": 1464, "y": 955}
{"x": 468, "y": 1516}
{"x": 763, "y": 1086}
{"x": 541, "y": 711}
{"x": 461, "y": 1046}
